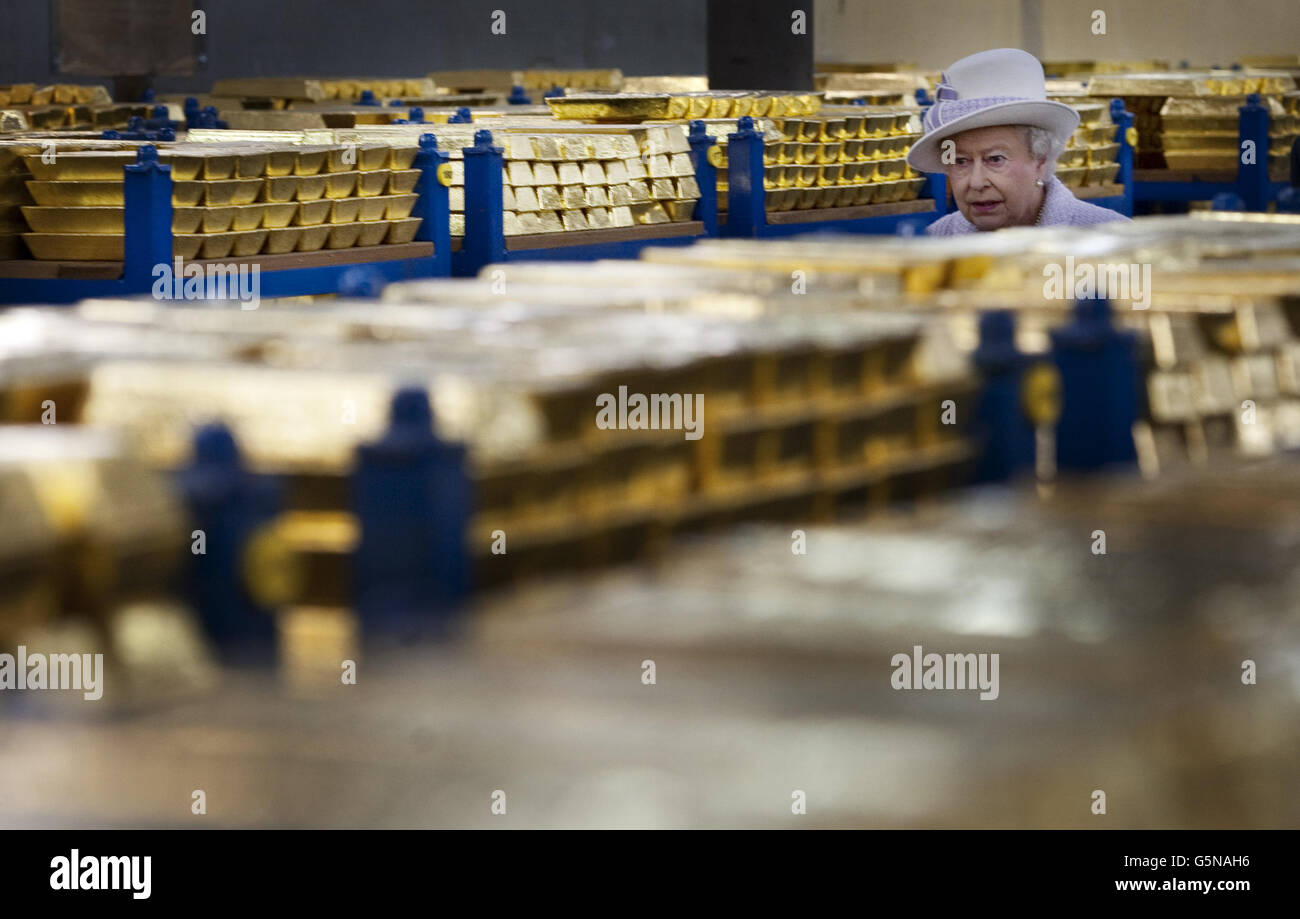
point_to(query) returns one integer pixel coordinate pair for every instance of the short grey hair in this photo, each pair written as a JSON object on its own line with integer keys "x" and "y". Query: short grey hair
{"x": 1043, "y": 143}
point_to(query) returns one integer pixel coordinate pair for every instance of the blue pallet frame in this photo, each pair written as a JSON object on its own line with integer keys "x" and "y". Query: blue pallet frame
{"x": 1252, "y": 183}
{"x": 147, "y": 191}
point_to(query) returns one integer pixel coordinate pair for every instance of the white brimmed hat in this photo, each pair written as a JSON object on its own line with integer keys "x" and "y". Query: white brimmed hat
{"x": 999, "y": 87}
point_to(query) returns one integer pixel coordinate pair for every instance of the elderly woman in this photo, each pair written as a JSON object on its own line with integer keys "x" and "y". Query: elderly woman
{"x": 996, "y": 137}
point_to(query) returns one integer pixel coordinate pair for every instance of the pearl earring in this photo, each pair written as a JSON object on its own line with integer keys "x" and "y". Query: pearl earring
{"x": 1040, "y": 183}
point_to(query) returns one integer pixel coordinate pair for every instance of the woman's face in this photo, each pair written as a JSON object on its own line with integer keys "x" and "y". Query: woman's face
{"x": 994, "y": 177}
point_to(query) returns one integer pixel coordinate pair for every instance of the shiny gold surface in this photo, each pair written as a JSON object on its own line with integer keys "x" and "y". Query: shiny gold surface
{"x": 244, "y": 217}
{"x": 402, "y": 182}
{"x": 343, "y": 236}
{"x": 373, "y": 156}
{"x": 232, "y": 191}
{"x": 312, "y": 213}
{"x": 217, "y": 245}
{"x": 107, "y": 165}
{"x": 278, "y": 216}
{"x": 306, "y": 163}
{"x": 341, "y": 184}
{"x": 372, "y": 209}
{"x": 309, "y": 188}
{"x": 345, "y": 210}
{"x": 74, "y": 247}
{"x": 75, "y": 220}
{"x": 187, "y": 246}
{"x": 313, "y": 237}
{"x": 282, "y": 240}
{"x": 248, "y": 243}
{"x": 372, "y": 234}
{"x": 372, "y": 183}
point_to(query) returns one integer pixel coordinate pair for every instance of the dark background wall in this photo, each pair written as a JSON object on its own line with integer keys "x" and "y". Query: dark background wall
{"x": 398, "y": 38}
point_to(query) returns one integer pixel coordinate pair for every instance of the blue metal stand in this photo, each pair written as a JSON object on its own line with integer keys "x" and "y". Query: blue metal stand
{"x": 1100, "y": 389}
{"x": 1252, "y": 178}
{"x": 1005, "y": 434}
{"x": 228, "y": 504}
{"x": 485, "y": 239}
{"x": 147, "y": 196}
{"x": 706, "y": 176}
{"x": 412, "y": 497}
{"x": 433, "y": 204}
{"x": 746, "y": 202}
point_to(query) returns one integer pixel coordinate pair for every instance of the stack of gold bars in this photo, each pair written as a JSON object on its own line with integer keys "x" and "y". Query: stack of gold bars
{"x": 814, "y": 156}
{"x": 753, "y": 398}
{"x": 281, "y": 92}
{"x": 558, "y": 175}
{"x": 841, "y": 156}
{"x": 63, "y": 106}
{"x": 683, "y": 106}
{"x": 1213, "y": 296}
{"x": 13, "y": 195}
{"x": 747, "y": 406}
{"x": 469, "y": 81}
{"x": 232, "y": 199}
{"x": 1189, "y": 120}
{"x": 1091, "y": 154}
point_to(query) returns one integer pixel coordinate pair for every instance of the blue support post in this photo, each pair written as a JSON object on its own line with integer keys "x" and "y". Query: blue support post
{"x": 229, "y": 505}
{"x": 433, "y": 205}
{"x": 703, "y": 157}
{"x": 412, "y": 497}
{"x": 518, "y": 96}
{"x": 1004, "y": 433}
{"x": 361, "y": 281}
{"x": 147, "y": 194}
{"x": 746, "y": 202}
{"x": 1227, "y": 201}
{"x": 1252, "y": 178}
{"x": 461, "y": 116}
{"x": 1098, "y": 365}
{"x": 367, "y": 98}
{"x": 485, "y": 240}
{"x": 208, "y": 118}
{"x": 936, "y": 184}
{"x": 1125, "y": 133}
{"x": 158, "y": 119}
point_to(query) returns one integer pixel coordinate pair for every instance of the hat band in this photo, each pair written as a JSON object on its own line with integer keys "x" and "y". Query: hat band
{"x": 950, "y": 110}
